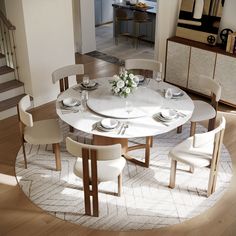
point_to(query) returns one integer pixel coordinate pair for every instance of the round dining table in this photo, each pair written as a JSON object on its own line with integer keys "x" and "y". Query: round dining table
{"x": 136, "y": 114}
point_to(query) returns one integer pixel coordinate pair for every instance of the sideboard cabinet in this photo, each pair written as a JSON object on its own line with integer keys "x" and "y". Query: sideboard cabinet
{"x": 187, "y": 60}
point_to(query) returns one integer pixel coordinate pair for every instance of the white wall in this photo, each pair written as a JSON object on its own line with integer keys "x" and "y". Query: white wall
{"x": 166, "y": 21}
{"x": 229, "y": 15}
{"x": 49, "y": 35}
{"x": 84, "y": 25}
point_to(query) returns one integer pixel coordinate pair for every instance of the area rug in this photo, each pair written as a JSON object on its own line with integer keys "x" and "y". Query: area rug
{"x": 146, "y": 201}
{"x": 105, "y": 57}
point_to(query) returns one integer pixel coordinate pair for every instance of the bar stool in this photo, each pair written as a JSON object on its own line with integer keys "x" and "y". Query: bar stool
{"x": 121, "y": 17}
{"x": 139, "y": 19}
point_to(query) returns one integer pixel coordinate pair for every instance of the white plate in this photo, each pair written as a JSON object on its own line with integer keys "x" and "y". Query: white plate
{"x": 109, "y": 123}
{"x": 140, "y": 78}
{"x": 90, "y": 85}
{"x": 177, "y": 93}
{"x": 168, "y": 114}
{"x": 70, "y": 102}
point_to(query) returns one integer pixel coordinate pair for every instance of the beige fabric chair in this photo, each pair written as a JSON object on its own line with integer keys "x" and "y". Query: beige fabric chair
{"x": 200, "y": 150}
{"x": 38, "y": 132}
{"x": 96, "y": 164}
{"x": 63, "y": 73}
{"x": 203, "y": 110}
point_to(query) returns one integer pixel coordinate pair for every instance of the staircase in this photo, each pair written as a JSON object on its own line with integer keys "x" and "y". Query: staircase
{"x": 11, "y": 88}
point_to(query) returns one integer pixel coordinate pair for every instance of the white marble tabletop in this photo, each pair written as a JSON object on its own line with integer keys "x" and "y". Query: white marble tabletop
{"x": 145, "y": 102}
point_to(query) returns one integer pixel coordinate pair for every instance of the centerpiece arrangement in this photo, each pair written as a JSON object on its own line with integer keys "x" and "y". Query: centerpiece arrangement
{"x": 124, "y": 83}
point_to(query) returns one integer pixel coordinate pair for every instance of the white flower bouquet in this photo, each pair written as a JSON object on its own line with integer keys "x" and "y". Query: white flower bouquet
{"x": 124, "y": 83}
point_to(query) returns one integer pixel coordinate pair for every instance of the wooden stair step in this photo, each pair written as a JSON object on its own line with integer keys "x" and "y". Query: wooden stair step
{"x": 10, "y": 85}
{"x": 5, "y": 70}
{"x": 9, "y": 103}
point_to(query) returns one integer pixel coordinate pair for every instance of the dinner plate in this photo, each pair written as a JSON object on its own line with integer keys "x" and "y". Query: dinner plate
{"x": 168, "y": 114}
{"x": 177, "y": 93}
{"x": 159, "y": 117}
{"x": 101, "y": 128}
{"x": 109, "y": 123}
{"x": 70, "y": 102}
{"x": 90, "y": 86}
{"x": 140, "y": 78}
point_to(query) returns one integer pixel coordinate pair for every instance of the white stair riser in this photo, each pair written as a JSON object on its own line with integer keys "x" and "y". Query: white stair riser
{"x": 3, "y": 61}
{"x": 11, "y": 93}
{"x": 10, "y": 112}
{"x": 7, "y": 77}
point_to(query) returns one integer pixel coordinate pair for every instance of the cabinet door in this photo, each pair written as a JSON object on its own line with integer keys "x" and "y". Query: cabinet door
{"x": 177, "y": 63}
{"x": 202, "y": 62}
{"x": 98, "y": 11}
{"x": 225, "y": 74}
{"x": 107, "y": 11}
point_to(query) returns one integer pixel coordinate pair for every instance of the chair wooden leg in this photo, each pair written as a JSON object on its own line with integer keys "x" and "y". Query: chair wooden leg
{"x": 147, "y": 151}
{"x": 211, "y": 124}
{"x": 173, "y": 173}
{"x": 192, "y": 128}
{"x": 179, "y": 129}
{"x": 71, "y": 129}
{"x": 56, "y": 148}
{"x": 119, "y": 185}
{"x": 191, "y": 169}
{"x": 151, "y": 142}
{"x": 25, "y": 160}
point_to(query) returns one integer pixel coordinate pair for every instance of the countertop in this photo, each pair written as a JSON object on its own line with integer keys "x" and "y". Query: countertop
{"x": 152, "y": 6}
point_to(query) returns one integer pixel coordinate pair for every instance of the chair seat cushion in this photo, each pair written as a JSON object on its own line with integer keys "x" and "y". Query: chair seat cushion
{"x": 43, "y": 132}
{"x": 186, "y": 153}
{"x": 202, "y": 111}
{"x": 106, "y": 170}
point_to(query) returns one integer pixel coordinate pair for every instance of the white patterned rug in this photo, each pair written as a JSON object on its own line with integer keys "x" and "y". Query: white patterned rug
{"x": 146, "y": 201}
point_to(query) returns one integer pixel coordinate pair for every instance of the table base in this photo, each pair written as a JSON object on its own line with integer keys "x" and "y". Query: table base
{"x": 101, "y": 140}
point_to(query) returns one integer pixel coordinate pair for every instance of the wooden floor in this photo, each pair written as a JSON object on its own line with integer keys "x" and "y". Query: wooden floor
{"x": 19, "y": 216}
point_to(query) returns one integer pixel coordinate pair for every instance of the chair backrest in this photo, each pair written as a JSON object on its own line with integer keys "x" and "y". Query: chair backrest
{"x": 63, "y": 73}
{"x": 24, "y": 116}
{"x": 108, "y": 152}
{"x": 212, "y": 86}
{"x": 143, "y": 65}
{"x": 213, "y": 138}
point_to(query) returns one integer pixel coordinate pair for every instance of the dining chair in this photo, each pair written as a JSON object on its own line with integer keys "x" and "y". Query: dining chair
{"x": 143, "y": 66}
{"x": 200, "y": 150}
{"x": 96, "y": 164}
{"x": 203, "y": 110}
{"x": 38, "y": 132}
{"x": 63, "y": 73}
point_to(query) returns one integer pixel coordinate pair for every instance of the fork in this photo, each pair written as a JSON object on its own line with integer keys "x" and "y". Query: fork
{"x": 125, "y": 127}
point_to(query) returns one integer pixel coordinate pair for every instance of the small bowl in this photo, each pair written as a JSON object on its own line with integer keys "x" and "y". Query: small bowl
{"x": 168, "y": 114}
{"x": 70, "y": 102}
{"x": 109, "y": 123}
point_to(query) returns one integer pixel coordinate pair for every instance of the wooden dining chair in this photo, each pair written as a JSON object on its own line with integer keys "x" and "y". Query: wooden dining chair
{"x": 96, "y": 164}
{"x": 62, "y": 75}
{"x": 200, "y": 150}
{"x": 38, "y": 132}
{"x": 203, "y": 110}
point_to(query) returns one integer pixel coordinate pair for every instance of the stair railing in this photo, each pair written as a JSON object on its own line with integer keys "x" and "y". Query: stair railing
{"x": 7, "y": 43}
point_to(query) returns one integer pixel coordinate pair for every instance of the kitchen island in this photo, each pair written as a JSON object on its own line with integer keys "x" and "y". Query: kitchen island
{"x": 147, "y": 30}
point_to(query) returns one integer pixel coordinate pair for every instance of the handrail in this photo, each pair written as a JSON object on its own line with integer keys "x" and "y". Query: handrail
{"x": 8, "y": 24}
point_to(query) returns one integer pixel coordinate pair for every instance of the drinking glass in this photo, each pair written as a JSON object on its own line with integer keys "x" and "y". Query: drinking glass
{"x": 158, "y": 79}
{"x": 84, "y": 99}
{"x": 86, "y": 80}
{"x": 168, "y": 93}
{"x": 128, "y": 107}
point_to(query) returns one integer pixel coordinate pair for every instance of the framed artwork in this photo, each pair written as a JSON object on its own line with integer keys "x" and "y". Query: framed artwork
{"x": 199, "y": 20}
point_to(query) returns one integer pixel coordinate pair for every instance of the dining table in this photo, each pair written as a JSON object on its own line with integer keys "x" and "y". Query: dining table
{"x": 136, "y": 115}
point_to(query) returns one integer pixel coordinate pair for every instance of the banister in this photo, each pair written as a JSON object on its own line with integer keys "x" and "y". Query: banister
{"x": 7, "y": 23}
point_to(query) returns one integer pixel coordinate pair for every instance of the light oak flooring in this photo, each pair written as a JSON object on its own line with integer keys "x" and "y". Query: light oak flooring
{"x": 19, "y": 216}
{"x": 124, "y": 49}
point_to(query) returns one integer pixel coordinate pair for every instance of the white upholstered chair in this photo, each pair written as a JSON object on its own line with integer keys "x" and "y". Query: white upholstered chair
{"x": 63, "y": 73}
{"x": 143, "y": 65}
{"x": 200, "y": 150}
{"x": 203, "y": 110}
{"x": 38, "y": 132}
{"x": 96, "y": 164}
